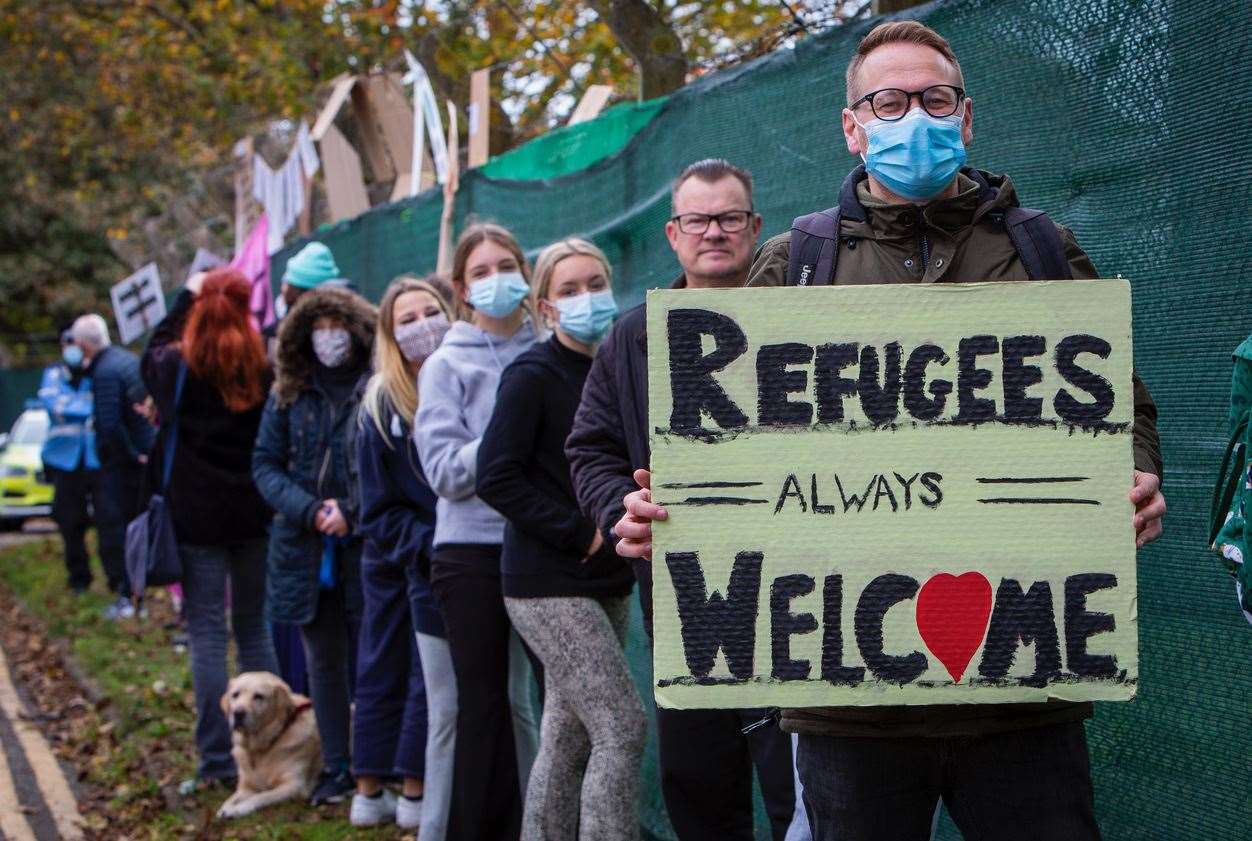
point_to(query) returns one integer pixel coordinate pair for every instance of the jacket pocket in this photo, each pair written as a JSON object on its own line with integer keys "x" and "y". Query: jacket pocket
{"x": 288, "y": 545}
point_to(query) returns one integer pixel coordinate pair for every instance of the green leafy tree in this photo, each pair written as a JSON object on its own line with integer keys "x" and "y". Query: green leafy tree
{"x": 119, "y": 116}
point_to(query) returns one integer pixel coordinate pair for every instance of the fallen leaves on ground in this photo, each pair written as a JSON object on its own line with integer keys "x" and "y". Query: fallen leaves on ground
{"x": 114, "y": 701}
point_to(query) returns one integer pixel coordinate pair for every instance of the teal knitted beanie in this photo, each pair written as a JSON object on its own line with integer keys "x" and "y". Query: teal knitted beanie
{"x": 311, "y": 266}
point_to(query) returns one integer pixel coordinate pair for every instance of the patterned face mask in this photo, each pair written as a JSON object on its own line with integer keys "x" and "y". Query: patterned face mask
{"x": 418, "y": 339}
{"x": 332, "y": 345}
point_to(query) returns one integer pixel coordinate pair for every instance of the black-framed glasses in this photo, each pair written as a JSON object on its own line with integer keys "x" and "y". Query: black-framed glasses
{"x": 729, "y": 222}
{"x": 891, "y": 104}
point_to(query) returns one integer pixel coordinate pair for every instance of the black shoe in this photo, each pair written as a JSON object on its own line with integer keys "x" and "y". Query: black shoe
{"x": 333, "y": 787}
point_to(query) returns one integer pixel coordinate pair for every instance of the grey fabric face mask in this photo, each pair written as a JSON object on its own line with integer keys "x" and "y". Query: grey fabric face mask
{"x": 418, "y": 339}
{"x": 332, "y": 345}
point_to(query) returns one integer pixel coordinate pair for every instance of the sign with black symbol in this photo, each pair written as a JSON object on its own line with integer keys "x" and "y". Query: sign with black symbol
{"x": 892, "y": 494}
{"x": 204, "y": 261}
{"x": 138, "y": 303}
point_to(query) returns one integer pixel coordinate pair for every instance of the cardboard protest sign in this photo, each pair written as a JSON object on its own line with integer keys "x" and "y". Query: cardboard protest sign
{"x": 892, "y": 494}
{"x": 204, "y": 261}
{"x": 138, "y": 303}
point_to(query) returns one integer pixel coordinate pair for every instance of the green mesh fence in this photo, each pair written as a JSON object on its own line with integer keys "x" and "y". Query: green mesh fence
{"x": 569, "y": 149}
{"x": 17, "y": 385}
{"x": 1127, "y": 122}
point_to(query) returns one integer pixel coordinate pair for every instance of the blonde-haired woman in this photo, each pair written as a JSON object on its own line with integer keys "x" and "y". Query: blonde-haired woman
{"x": 565, "y": 589}
{"x": 405, "y": 707}
{"x": 457, "y": 387}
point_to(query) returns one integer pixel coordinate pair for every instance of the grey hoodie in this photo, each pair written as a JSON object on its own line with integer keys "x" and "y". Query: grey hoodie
{"x": 456, "y": 396}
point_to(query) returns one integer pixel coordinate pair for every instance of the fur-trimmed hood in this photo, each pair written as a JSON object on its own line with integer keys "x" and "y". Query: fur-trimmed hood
{"x": 294, "y": 366}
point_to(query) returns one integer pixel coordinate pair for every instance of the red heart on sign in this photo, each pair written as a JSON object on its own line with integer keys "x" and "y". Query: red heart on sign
{"x": 952, "y": 614}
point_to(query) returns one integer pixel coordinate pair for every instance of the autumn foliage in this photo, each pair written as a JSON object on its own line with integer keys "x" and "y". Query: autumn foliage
{"x": 118, "y": 117}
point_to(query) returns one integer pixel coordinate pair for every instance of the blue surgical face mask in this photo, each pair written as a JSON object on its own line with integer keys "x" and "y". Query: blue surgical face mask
{"x": 587, "y": 317}
{"x": 73, "y": 355}
{"x": 499, "y": 294}
{"x": 916, "y": 156}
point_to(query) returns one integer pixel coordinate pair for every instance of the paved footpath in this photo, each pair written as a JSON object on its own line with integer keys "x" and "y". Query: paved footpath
{"x": 36, "y": 800}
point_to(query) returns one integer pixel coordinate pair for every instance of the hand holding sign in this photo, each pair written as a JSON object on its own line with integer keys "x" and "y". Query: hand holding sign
{"x": 1149, "y": 507}
{"x": 195, "y": 283}
{"x": 634, "y": 529}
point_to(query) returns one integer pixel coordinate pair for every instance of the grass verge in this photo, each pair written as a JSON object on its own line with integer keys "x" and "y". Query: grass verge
{"x": 134, "y": 744}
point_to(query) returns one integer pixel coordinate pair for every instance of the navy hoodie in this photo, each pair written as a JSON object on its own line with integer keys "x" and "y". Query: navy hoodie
{"x": 397, "y": 507}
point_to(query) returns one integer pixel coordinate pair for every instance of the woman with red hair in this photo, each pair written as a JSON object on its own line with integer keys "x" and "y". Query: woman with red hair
{"x": 208, "y": 375}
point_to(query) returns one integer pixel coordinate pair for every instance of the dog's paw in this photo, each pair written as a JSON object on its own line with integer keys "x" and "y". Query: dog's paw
{"x": 234, "y": 810}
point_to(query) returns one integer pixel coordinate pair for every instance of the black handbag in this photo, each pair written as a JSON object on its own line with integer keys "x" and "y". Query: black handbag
{"x": 151, "y": 547}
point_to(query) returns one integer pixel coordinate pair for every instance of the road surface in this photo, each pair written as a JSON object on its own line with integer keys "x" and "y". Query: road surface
{"x": 36, "y": 799}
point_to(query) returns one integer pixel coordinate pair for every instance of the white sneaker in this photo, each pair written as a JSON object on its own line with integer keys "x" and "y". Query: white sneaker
{"x": 372, "y": 811}
{"x": 119, "y": 608}
{"x": 408, "y": 813}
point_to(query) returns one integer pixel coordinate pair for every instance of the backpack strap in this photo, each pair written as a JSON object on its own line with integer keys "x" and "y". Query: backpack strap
{"x": 171, "y": 440}
{"x": 1037, "y": 241}
{"x": 814, "y": 248}
{"x": 1227, "y": 484}
{"x": 815, "y": 240}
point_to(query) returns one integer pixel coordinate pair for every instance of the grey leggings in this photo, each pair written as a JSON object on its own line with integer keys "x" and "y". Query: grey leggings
{"x": 593, "y": 723}
{"x": 440, "y": 734}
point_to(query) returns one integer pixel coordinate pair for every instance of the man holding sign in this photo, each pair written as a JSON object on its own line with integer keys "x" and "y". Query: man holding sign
{"x": 706, "y": 760}
{"x": 908, "y": 471}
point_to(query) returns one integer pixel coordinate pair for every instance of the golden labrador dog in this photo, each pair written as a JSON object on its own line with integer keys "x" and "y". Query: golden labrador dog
{"x": 277, "y": 749}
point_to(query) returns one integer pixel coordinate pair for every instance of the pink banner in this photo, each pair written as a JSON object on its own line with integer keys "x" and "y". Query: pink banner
{"x": 253, "y": 260}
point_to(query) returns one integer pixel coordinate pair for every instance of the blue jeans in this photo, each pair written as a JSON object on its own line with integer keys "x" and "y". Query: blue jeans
{"x": 205, "y": 570}
{"x": 389, "y": 716}
{"x": 330, "y": 654}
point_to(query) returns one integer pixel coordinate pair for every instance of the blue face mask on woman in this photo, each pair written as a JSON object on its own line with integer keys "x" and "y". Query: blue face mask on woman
{"x": 73, "y": 355}
{"x": 499, "y": 294}
{"x": 587, "y": 317}
{"x": 916, "y": 156}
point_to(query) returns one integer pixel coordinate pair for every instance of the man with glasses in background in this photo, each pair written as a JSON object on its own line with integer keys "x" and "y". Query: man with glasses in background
{"x": 913, "y": 213}
{"x": 706, "y": 759}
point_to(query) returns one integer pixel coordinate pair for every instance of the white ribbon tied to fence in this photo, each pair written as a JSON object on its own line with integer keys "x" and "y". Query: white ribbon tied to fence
{"x": 426, "y": 126}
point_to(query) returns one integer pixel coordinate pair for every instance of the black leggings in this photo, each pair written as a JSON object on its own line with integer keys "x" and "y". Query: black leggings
{"x": 486, "y": 792}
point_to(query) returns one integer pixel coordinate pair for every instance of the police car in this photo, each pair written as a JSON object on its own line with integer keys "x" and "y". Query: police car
{"x": 24, "y": 488}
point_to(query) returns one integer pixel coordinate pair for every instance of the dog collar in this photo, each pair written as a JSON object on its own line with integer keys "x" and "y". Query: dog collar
{"x": 293, "y": 715}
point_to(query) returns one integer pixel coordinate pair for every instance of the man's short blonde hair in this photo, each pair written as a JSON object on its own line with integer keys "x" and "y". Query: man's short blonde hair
{"x": 898, "y": 32}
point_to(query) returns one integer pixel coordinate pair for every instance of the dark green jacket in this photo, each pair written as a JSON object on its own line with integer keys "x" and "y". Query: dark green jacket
{"x": 885, "y": 243}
